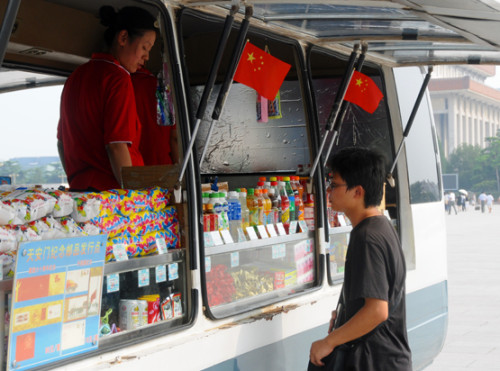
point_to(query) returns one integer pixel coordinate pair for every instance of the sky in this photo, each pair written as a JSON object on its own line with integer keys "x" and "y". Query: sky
{"x": 29, "y": 119}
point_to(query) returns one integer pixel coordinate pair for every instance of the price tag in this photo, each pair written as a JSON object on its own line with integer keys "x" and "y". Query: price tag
{"x": 251, "y": 233}
{"x": 217, "y": 238}
{"x": 279, "y": 251}
{"x": 281, "y": 229}
{"x": 271, "y": 230}
{"x": 303, "y": 226}
{"x": 208, "y": 264}
{"x": 161, "y": 246}
{"x": 341, "y": 220}
{"x": 207, "y": 237}
{"x": 235, "y": 259}
{"x": 120, "y": 252}
{"x": 113, "y": 283}
{"x": 143, "y": 277}
{"x": 293, "y": 227}
{"x": 241, "y": 235}
{"x": 161, "y": 273}
{"x": 226, "y": 236}
{"x": 262, "y": 231}
{"x": 173, "y": 271}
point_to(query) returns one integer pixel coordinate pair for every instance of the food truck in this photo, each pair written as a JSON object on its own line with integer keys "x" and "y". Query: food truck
{"x": 185, "y": 265}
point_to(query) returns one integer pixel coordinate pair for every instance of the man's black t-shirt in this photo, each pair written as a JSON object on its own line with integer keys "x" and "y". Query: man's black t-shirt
{"x": 375, "y": 268}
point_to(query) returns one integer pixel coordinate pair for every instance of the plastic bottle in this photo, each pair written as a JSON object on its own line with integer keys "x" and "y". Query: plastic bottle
{"x": 234, "y": 214}
{"x": 225, "y": 211}
{"x": 260, "y": 205}
{"x": 245, "y": 212}
{"x": 217, "y": 210}
{"x": 291, "y": 198}
{"x": 205, "y": 200}
{"x": 285, "y": 206}
{"x": 253, "y": 208}
{"x": 309, "y": 211}
{"x": 299, "y": 203}
{"x": 260, "y": 185}
{"x": 267, "y": 207}
{"x": 275, "y": 204}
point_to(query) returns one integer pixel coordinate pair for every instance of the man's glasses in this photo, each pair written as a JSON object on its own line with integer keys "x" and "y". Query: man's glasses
{"x": 334, "y": 185}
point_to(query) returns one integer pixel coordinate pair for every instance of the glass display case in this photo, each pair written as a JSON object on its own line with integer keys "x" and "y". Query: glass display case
{"x": 337, "y": 250}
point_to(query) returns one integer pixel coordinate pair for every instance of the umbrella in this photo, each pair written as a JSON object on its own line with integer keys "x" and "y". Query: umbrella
{"x": 463, "y": 191}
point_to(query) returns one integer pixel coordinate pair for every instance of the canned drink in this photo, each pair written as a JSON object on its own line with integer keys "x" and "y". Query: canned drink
{"x": 153, "y": 303}
{"x": 143, "y": 312}
{"x": 129, "y": 317}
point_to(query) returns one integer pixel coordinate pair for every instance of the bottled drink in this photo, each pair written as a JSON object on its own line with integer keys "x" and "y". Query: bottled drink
{"x": 225, "y": 211}
{"x": 260, "y": 185}
{"x": 234, "y": 214}
{"x": 216, "y": 207}
{"x": 291, "y": 198}
{"x": 299, "y": 203}
{"x": 205, "y": 200}
{"x": 267, "y": 207}
{"x": 260, "y": 205}
{"x": 285, "y": 206}
{"x": 253, "y": 208}
{"x": 245, "y": 212}
{"x": 275, "y": 204}
{"x": 309, "y": 211}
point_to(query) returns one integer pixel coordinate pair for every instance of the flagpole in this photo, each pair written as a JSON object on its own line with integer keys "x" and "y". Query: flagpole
{"x": 336, "y": 106}
{"x": 390, "y": 178}
{"x": 207, "y": 91}
{"x": 224, "y": 90}
{"x": 343, "y": 108}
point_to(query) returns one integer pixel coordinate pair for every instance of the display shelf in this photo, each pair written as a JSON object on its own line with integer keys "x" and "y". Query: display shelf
{"x": 246, "y": 245}
{"x": 344, "y": 229}
{"x": 175, "y": 255}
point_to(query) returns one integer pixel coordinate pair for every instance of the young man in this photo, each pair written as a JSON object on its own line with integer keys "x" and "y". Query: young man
{"x": 373, "y": 318}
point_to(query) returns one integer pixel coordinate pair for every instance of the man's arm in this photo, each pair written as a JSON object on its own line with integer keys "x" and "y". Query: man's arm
{"x": 373, "y": 313}
{"x": 119, "y": 156}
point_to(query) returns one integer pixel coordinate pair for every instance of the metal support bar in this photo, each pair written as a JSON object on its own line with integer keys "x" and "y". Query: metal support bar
{"x": 226, "y": 85}
{"x": 8, "y": 21}
{"x": 390, "y": 178}
{"x": 208, "y": 88}
{"x": 336, "y": 106}
{"x": 343, "y": 108}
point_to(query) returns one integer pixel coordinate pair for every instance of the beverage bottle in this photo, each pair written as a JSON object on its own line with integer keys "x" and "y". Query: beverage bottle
{"x": 291, "y": 198}
{"x": 253, "y": 208}
{"x": 262, "y": 179}
{"x": 274, "y": 214}
{"x": 299, "y": 203}
{"x": 205, "y": 200}
{"x": 234, "y": 214}
{"x": 225, "y": 211}
{"x": 285, "y": 206}
{"x": 276, "y": 202}
{"x": 245, "y": 212}
{"x": 267, "y": 207}
{"x": 216, "y": 207}
{"x": 260, "y": 205}
{"x": 309, "y": 211}
{"x": 260, "y": 185}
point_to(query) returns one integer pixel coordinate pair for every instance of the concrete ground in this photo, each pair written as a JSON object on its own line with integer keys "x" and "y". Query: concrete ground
{"x": 473, "y": 338}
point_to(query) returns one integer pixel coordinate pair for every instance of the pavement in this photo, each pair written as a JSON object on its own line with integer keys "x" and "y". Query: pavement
{"x": 473, "y": 337}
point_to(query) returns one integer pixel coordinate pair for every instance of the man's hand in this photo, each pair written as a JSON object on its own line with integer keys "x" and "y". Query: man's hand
{"x": 319, "y": 350}
{"x": 332, "y": 321}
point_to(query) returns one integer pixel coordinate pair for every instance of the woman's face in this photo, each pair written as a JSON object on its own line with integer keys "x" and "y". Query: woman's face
{"x": 133, "y": 53}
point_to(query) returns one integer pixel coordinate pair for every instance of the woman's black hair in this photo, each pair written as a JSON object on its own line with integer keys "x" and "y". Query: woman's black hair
{"x": 132, "y": 19}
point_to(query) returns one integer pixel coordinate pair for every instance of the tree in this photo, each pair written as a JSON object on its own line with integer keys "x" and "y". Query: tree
{"x": 490, "y": 157}
{"x": 465, "y": 160}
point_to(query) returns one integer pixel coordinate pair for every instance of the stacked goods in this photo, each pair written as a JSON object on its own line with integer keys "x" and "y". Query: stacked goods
{"x": 220, "y": 285}
{"x": 135, "y": 218}
{"x": 250, "y": 281}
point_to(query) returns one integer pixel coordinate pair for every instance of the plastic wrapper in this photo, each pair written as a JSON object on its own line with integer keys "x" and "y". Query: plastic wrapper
{"x": 29, "y": 204}
{"x": 8, "y": 264}
{"x": 87, "y": 206}
{"x": 64, "y": 203}
{"x": 8, "y": 240}
{"x": 7, "y": 214}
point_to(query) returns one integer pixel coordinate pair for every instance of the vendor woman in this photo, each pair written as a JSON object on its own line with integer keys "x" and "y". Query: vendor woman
{"x": 99, "y": 130}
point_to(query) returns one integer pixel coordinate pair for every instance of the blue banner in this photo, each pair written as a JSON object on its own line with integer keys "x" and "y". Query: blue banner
{"x": 56, "y": 300}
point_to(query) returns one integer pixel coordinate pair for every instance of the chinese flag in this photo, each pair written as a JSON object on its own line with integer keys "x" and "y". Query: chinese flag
{"x": 261, "y": 71}
{"x": 363, "y": 92}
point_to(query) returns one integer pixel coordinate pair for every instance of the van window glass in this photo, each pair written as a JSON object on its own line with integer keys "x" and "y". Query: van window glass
{"x": 421, "y": 148}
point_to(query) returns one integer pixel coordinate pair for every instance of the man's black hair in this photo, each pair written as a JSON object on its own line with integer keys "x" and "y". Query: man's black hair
{"x": 364, "y": 167}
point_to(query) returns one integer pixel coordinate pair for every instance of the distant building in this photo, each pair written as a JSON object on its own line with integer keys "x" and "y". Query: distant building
{"x": 465, "y": 109}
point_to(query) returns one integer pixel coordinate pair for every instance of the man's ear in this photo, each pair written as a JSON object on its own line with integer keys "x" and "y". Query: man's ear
{"x": 359, "y": 191}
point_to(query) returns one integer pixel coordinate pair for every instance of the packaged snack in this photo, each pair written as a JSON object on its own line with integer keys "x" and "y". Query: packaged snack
{"x": 7, "y": 214}
{"x": 86, "y": 206}
{"x": 64, "y": 203}
{"x": 29, "y": 205}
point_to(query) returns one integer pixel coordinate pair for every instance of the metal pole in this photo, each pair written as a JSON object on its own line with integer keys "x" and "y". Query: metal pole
{"x": 9, "y": 19}
{"x": 343, "y": 108}
{"x": 208, "y": 87}
{"x": 336, "y": 106}
{"x": 390, "y": 178}
{"x": 221, "y": 98}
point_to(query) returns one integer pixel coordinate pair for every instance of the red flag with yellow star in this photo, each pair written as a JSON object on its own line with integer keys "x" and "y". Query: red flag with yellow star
{"x": 363, "y": 92}
{"x": 261, "y": 71}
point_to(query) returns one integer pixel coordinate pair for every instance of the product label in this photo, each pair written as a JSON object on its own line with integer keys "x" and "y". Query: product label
{"x": 161, "y": 273}
{"x": 143, "y": 277}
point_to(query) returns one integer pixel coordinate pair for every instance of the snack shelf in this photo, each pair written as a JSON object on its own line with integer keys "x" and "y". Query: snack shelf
{"x": 174, "y": 255}
{"x": 247, "y": 245}
{"x": 337, "y": 230}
